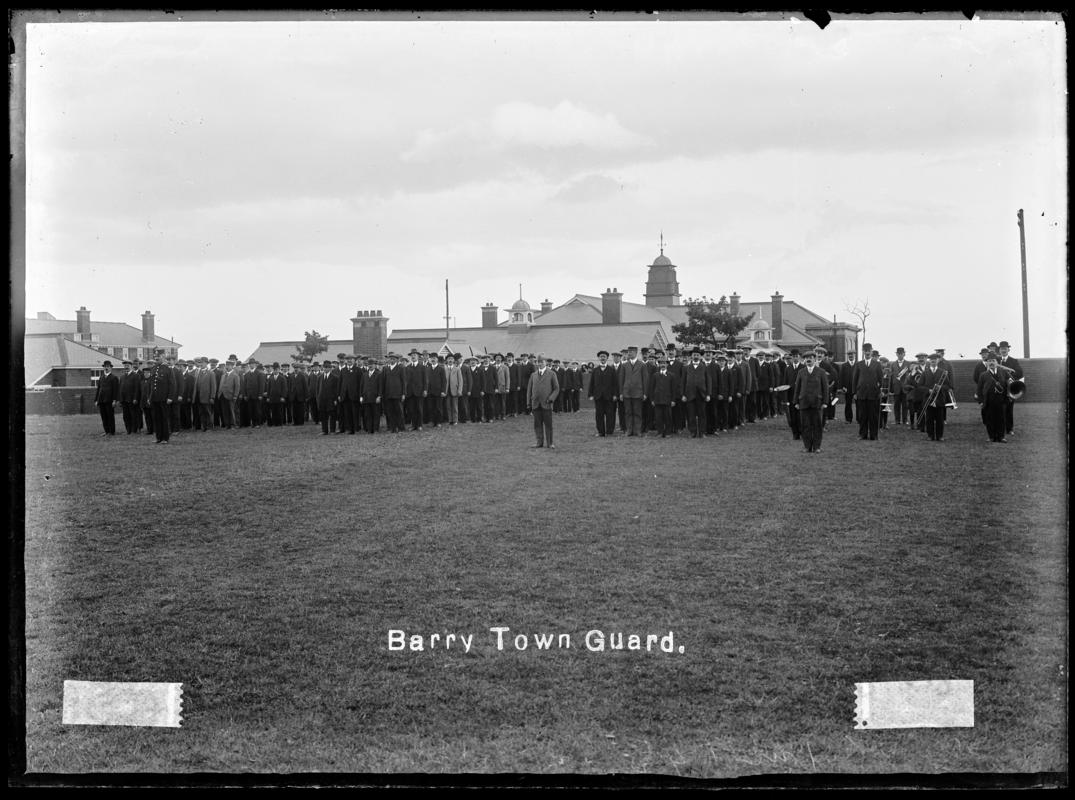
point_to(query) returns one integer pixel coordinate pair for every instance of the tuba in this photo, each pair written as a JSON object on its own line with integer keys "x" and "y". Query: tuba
{"x": 1016, "y": 386}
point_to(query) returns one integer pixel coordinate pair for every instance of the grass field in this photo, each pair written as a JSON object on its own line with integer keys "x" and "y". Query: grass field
{"x": 264, "y": 570}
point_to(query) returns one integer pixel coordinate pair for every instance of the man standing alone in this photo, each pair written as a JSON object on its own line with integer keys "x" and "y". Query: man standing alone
{"x": 810, "y": 396}
{"x": 541, "y": 393}
{"x": 106, "y": 398}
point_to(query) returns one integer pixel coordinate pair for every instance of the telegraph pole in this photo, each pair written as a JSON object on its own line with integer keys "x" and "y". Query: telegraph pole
{"x": 1026, "y": 316}
{"x": 447, "y": 313}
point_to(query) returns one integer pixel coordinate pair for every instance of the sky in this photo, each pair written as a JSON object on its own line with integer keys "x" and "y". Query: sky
{"x": 249, "y": 180}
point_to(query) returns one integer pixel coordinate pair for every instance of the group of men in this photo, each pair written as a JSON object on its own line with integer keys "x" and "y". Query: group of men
{"x": 346, "y": 395}
{"x": 635, "y": 391}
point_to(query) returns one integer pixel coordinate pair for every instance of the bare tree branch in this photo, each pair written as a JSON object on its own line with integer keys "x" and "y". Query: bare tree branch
{"x": 861, "y": 311}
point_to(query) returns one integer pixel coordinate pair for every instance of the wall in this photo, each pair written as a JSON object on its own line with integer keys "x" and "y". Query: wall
{"x": 1046, "y": 380}
{"x": 61, "y": 400}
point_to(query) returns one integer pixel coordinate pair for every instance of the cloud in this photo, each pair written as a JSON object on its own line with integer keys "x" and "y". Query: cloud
{"x": 590, "y": 188}
{"x": 519, "y": 125}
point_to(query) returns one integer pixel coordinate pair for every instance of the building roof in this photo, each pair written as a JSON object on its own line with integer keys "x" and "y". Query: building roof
{"x": 577, "y": 342}
{"x": 45, "y": 352}
{"x": 110, "y": 334}
{"x": 268, "y": 352}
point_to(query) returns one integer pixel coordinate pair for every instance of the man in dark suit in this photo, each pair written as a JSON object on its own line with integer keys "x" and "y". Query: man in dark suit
{"x": 662, "y": 391}
{"x": 846, "y": 372}
{"x": 617, "y": 366}
{"x": 130, "y": 397}
{"x": 146, "y": 408}
{"x": 328, "y": 397}
{"x": 633, "y": 390}
{"x": 526, "y": 369}
{"x": 204, "y": 396}
{"x": 369, "y": 401}
{"x": 992, "y": 393}
{"x": 347, "y": 407}
{"x": 712, "y": 408}
{"x": 765, "y": 383}
{"x": 1006, "y": 360}
{"x": 416, "y": 384}
{"x": 791, "y": 374}
{"x": 228, "y": 391}
{"x": 866, "y": 386}
{"x": 723, "y": 392}
{"x": 488, "y": 376}
{"x": 826, "y": 365}
{"x": 935, "y": 382}
{"x": 186, "y": 408}
{"x": 313, "y": 383}
{"x": 296, "y": 392}
{"x": 393, "y": 390}
{"x": 695, "y": 393}
{"x": 676, "y": 367}
{"x": 900, "y": 401}
{"x": 254, "y": 393}
{"x": 276, "y": 395}
{"x": 106, "y": 397}
{"x": 437, "y": 381}
{"x": 541, "y": 394}
{"x": 163, "y": 395}
{"x": 810, "y": 398}
{"x": 604, "y": 391}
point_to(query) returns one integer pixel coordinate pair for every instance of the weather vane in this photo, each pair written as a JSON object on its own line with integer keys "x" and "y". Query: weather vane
{"x": 662, "y": 242}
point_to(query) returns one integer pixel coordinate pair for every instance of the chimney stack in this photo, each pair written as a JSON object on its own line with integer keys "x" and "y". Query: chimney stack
{"x": 778, "y": 316}
{"x": 489, "y": 315}
{"x": 370, "y": 333}
{"x": 611, "y": 307}
{"x": 82, "y": 324}
{"x": 733, "y": 305}
{"x": 546, "y": 306}
{"x": 148, "y": 336}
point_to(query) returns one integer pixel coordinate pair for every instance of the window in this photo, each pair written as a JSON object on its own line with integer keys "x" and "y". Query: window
{"x": 95, "y": 375}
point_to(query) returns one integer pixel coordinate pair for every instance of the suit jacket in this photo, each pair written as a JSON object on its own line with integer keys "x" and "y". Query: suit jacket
{"x": 162, "y": 384}
{"x": 811, "y": 389}
{"x": 525, "y": 371}
{"x": 727, "y": 382}
{"x": 130, "y": 388}
{"x": 746, "y": 376}
{"x": 454, "y": 381}
{"x": 313, "y": 385}
{"x": 230, "y": 386}
{"x": 943, "y": 364}
{"x": 276, "y": 388}
{"x": 604, "y": 384}
{"x": 765, "y": 377}
{"x": 993, "y": 389}
{"x": 503, "y": 378}
{"x": 662, "y": 389}
{"x": 372, "y": 385}
{"x": 542, "y": 389}
{"x": 415, "y": 380}
{"x": 329, "y": 389}
{"x": 1011, "y": 363}
{"x": 696, "y": 384}
{"x": 866, "y": 380}
{"x": 931, "y": 378}
{"x": 514, "y": 373}
{"x": 488, "y": 376}
{"x": 107, "y": 389}
{"x": 204, "y": 386}
{"x": 393, "y": 383}
{"x": 253, "y": 384}
{"x": 146, "y": 383}
{"x": 297, "y": 389}
{"x": 437, "y": 380}
{"x": 189, "y": 379}
{"x": 632, "y": 380}
{"x": 846, "y": 373}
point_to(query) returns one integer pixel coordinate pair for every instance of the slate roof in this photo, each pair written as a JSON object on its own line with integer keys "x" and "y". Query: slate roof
{"x": 573, "y": 342}
{"x": 110, "y": 334}
{"x": 42, "y": 353}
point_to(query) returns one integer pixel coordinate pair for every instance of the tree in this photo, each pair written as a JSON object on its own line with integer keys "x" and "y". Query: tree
{"x": 315, "y": 343}
{"x": 860, "y": 311}
{"x": 710, "y": 323}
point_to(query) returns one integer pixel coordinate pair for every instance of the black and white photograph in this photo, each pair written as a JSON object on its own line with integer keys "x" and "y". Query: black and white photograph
{"x": 538, "y": 399}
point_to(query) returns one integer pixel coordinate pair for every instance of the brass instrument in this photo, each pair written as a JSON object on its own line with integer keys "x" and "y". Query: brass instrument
{"x": 1016, "y": 386}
